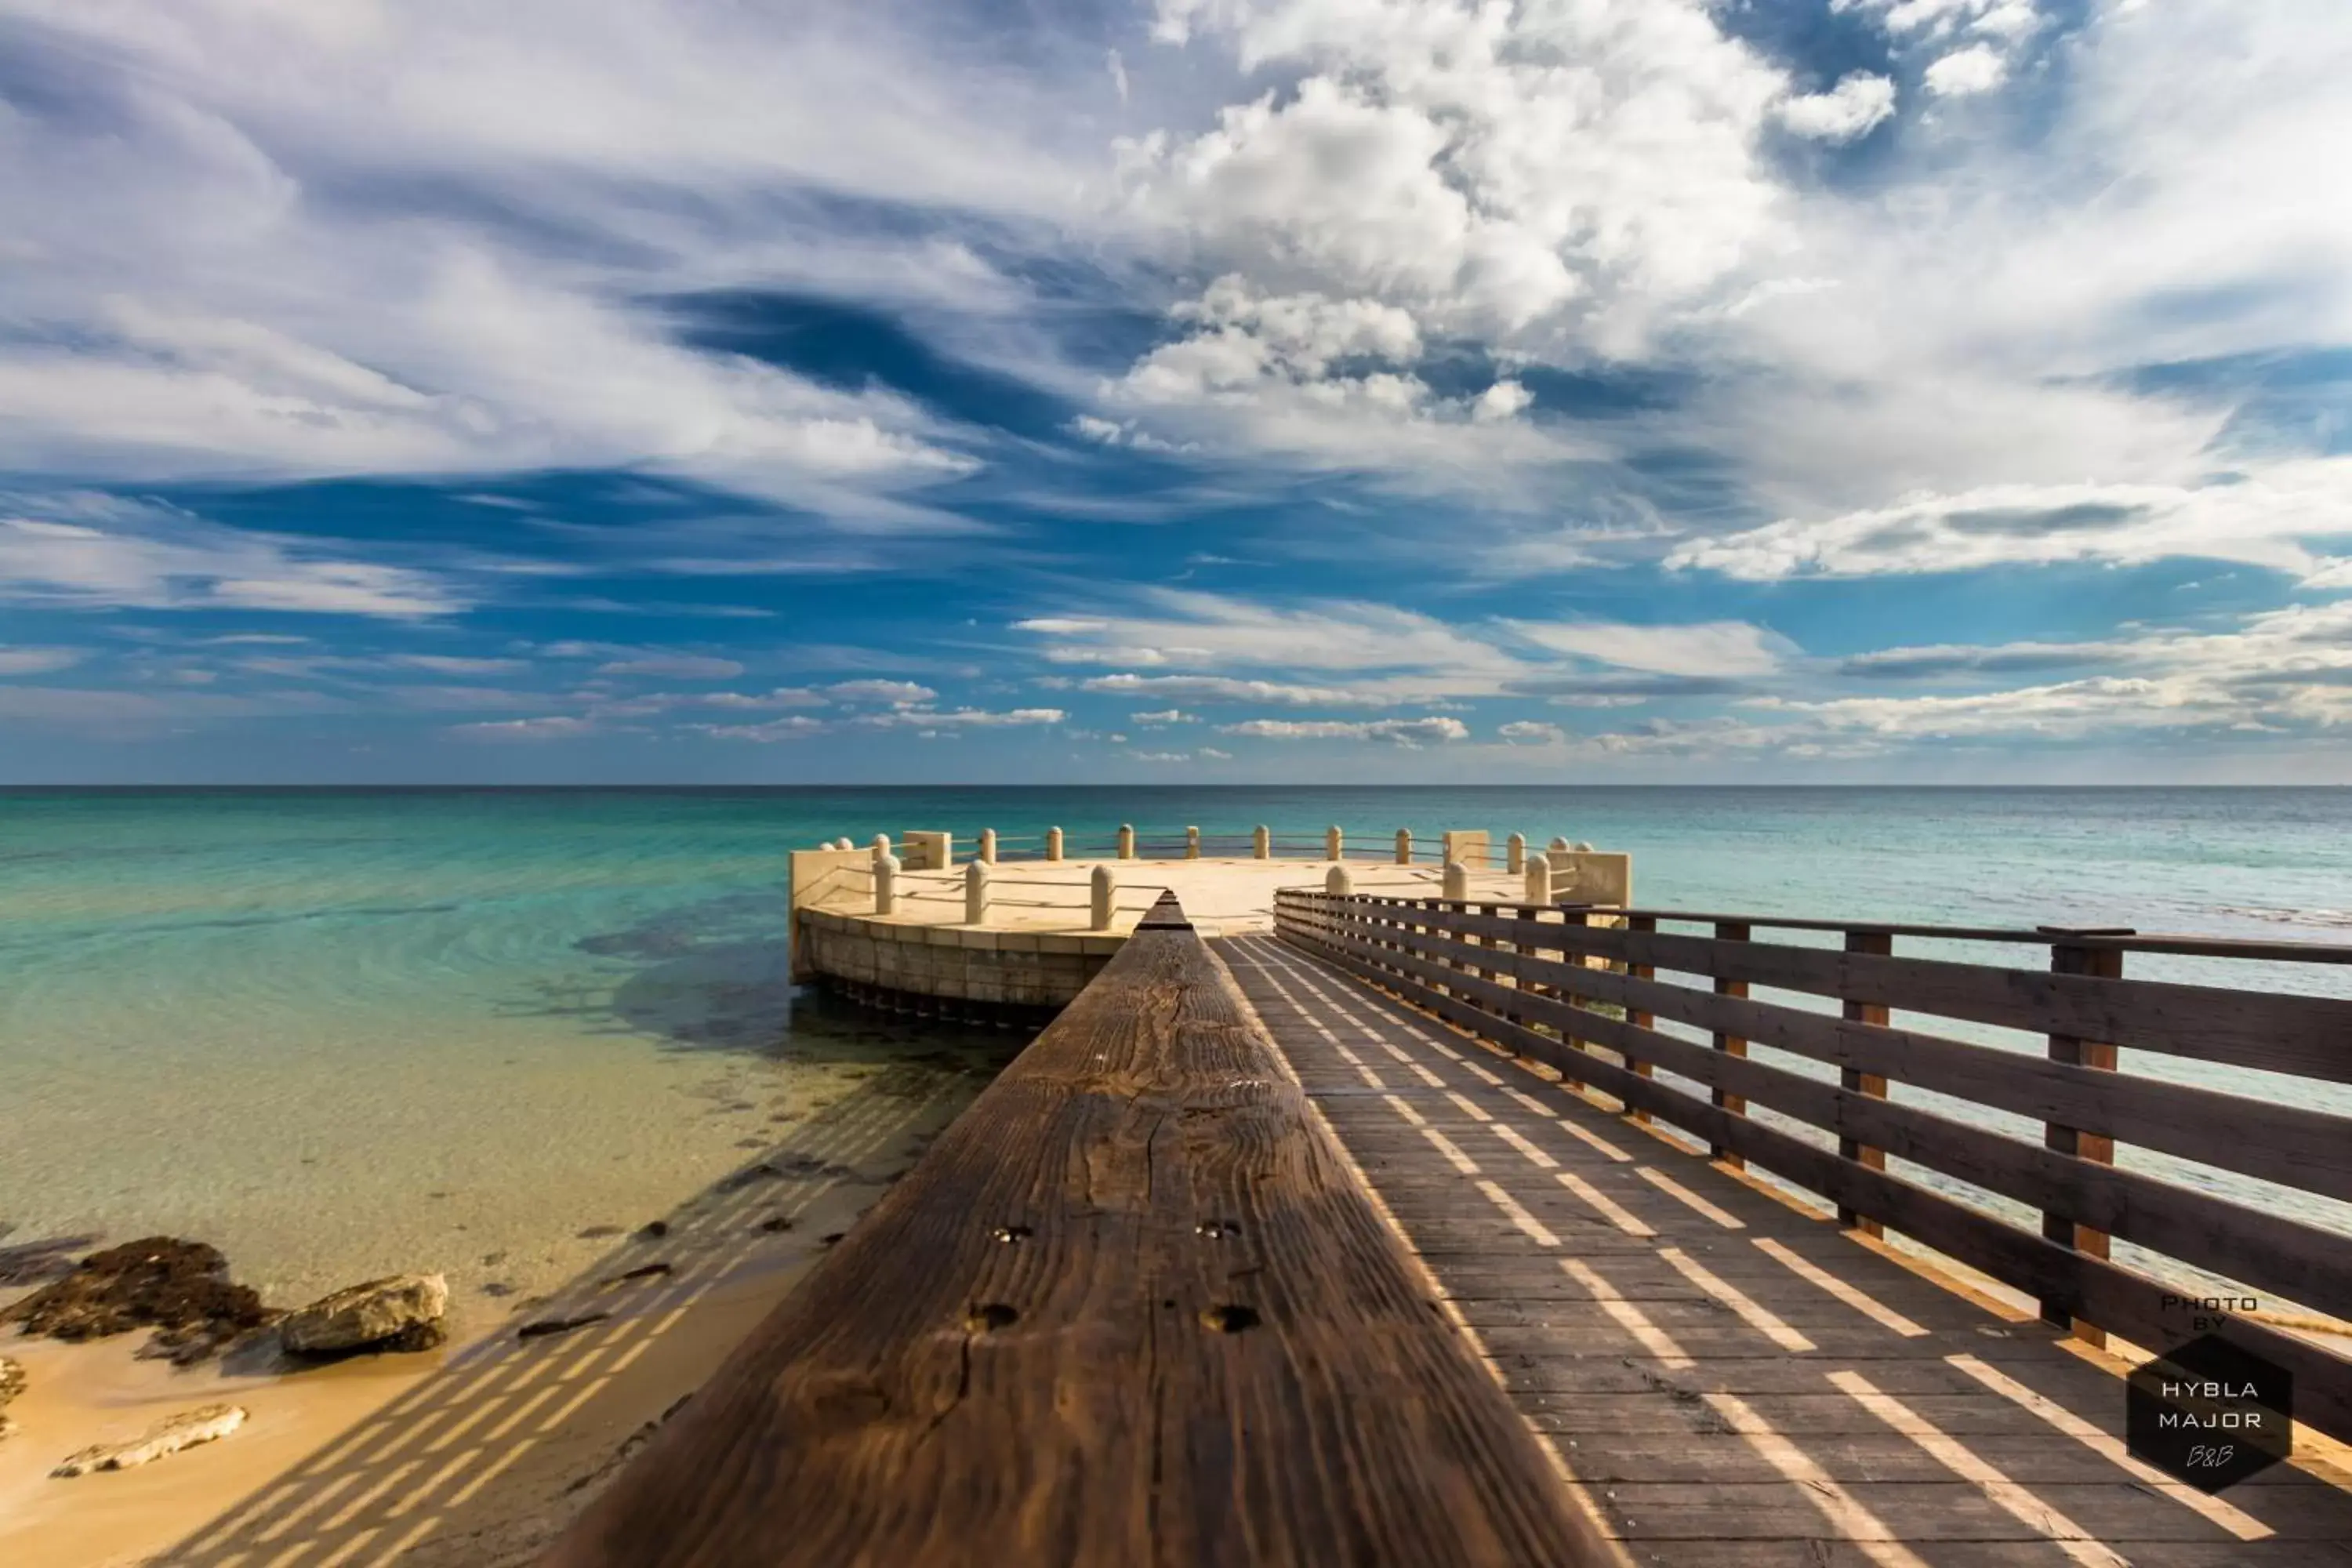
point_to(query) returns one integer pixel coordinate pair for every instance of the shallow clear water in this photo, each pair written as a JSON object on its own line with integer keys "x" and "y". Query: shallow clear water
{"x": 341, "y": 1033}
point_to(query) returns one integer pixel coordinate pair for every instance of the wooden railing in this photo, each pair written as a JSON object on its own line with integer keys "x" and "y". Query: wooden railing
{"x": 1132, "y": 1308}
{"x": 1589, "y": 990}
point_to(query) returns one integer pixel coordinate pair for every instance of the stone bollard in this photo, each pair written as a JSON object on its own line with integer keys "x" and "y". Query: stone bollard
{"x": 1581, "y": 847}
{"x": 1262, "y": 843}
{"x": 1105, "y": 899}
{"x": 1126, "y": 841}
{"x": 1538, "y": 874}
{"x": 988, "y": 845}
{"x": 1053, "y": 844}
{"x": 1458, "y": 879}
{"x": 1191, "y": 844}
{"x": 1515, "y": 854}
{"x": 881, "y": 844}
{"x": 1335, "y": 881}
{"x": 886, "y": 883}
{"x": 1404, "y": 846}
{"x": 1556, "y": 844}
{"x": 1331, "y": 843}
{"x": 975, "y": 893}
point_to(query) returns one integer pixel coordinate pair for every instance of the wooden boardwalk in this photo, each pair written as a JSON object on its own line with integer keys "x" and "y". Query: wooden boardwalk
{"x": 1730, "y": 1378}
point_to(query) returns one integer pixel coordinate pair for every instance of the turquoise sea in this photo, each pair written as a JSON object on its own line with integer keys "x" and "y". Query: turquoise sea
{"x": 341, "y": 1032}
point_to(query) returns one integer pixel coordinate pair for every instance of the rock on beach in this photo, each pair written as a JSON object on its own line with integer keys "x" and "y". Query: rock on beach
{"x": 402, "y": 1312}
{"x": 185, "y": 1430}
{"x": 181, "y": 1289}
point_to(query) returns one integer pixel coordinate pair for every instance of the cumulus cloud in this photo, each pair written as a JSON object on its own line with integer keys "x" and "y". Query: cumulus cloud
{"x": 1859, "y": 103}
{"x": 899, "y": 693}
{"x": 1528, "y": 732}
{"x": 1396, "y": 732}
{"x": 1965, "y": 72}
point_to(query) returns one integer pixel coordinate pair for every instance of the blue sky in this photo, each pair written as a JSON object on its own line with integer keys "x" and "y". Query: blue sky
{"x": 1206, "y": 390}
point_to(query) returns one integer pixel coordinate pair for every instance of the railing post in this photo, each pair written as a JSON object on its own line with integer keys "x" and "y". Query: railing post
{"x": 1335, "y": 881}
{"x": 1404, "y": 846}
{"x": 1729, "y": 1044}
{"x": 1191, "y": 844}
{"x": 1880, "y": 943}
{"x": 1103, "y": 901}
{"x": 1262, "y": 843}
{"x": 975, "y": 893}
{"x": 1458, "y": 879}
{"x": 1332, "y": 842}
{"x": 1636, "y": 1019}
{"x": 1126, "y": 841}
{"x": 1053, "y": 844}
{"x": 886, "y": 883}
{"x": 2103, "y": 964}
{"x": 1537, "y": 873}
{"x": 1558, "y": 843}
{"x": 988, "y": 845}
{"x": 1515, "y": 853}
{"x": 881, "y": 844}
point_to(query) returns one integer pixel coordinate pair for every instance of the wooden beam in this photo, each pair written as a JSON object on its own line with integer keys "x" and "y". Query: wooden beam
{"x": 1133, "y": 1308}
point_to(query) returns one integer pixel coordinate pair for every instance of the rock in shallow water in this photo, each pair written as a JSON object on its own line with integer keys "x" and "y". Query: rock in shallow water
{"x": 400, "y": 1313}
{"x": 185, "y": 1430}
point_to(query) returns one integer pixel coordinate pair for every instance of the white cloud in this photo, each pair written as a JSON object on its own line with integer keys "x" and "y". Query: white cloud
{"x": 1397, "y": 732}
{"x": 1727, "y": 648}
{"x": 899, "y": 693}
{"x": 792, "y": 727}
{"x": 960, "y": 718}
{"x": 1977, "y": 68}
{"x": 1526, "y": 732}
{"x": 558, "y": 727}
{"x": 2263, "y": 518}
{"x": 673, "y": 666}
{"x": 1211, "y": 753}
{"x": 1857, "y": 104}
{"x": 1227, "y": 688}
{"x": 87, "y": 549}
{"x": 38, "y": 661}
{"x": 1162, "y": 756}
{"x": 1166, "y": 716}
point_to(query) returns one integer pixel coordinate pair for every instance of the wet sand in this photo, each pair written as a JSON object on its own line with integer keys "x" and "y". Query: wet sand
{"x": 474, "y": 1454}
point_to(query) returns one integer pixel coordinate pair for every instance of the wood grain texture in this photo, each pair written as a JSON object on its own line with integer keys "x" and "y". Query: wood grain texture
{"x": 1132, "y": 1309}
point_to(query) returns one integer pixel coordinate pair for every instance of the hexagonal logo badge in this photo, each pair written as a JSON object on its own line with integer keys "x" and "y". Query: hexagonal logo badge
{"x": 2210, "y": 1414}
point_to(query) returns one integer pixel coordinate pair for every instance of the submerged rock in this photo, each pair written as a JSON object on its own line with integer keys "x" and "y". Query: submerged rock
{"x": 12, "y": 1383}
{"x": 402, "y": 1312}
{"x": 185, "y": 1430}
{"x": 179, "y": 1288}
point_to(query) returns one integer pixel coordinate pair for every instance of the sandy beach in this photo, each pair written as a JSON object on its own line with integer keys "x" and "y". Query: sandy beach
{"x": 474, "y": 1454}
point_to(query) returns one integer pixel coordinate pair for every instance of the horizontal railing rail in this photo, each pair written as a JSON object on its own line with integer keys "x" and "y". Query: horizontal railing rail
{"x": 1598, "y": 994}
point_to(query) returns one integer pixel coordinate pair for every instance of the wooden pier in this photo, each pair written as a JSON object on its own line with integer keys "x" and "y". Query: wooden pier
{"x": 1419, "y": 1231}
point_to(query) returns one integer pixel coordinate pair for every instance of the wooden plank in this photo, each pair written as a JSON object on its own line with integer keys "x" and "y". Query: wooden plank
{"x": 1729, "y": 1044}
{"x": 1131, "y": 1308}
{"x": 2292, "y": 1146}
{"x": 1853, "y": 1081}
{"x": 2061, "y": 1226}
{"x": 2307, "y": 1036}
{"x": 2118, "y": 1299}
